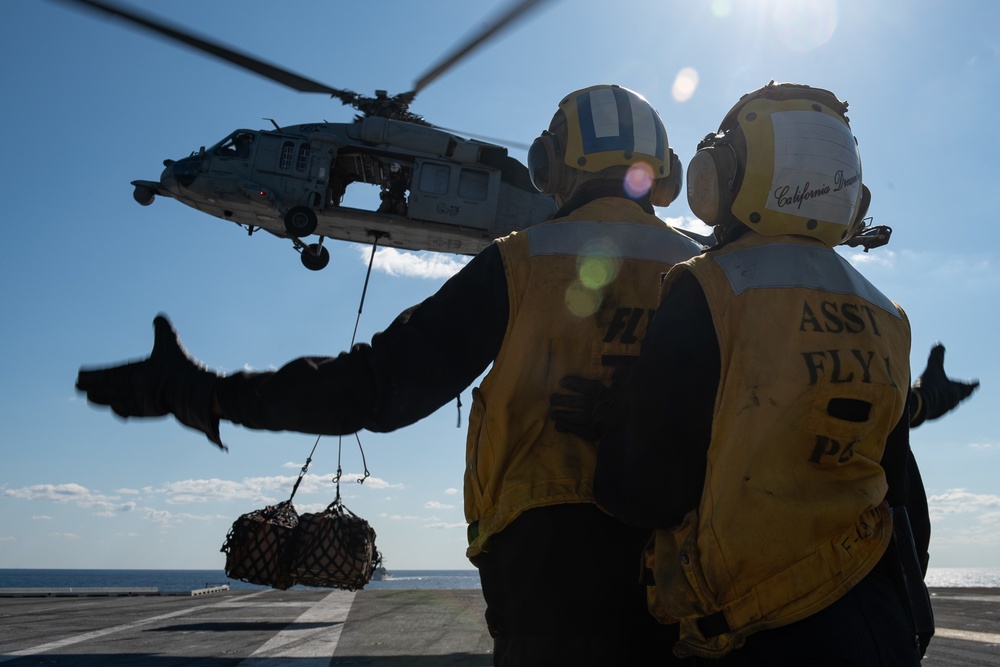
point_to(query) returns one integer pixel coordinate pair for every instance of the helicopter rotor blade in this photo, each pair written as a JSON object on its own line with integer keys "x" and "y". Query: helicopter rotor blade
{"x": 515, "y": 12}
{"x": 482, "y": 137}
{"x": 228, "y": 54}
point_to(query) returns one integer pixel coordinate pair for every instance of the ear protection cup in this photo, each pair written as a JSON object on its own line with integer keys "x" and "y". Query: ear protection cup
{"x": 711, "y": 181}
{"x": 665, "y": 190}
{"x": 545, "y": 164}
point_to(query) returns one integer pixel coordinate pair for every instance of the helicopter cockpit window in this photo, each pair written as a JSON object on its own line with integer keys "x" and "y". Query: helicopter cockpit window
{"x": 238, "y": 145}
{"x": 434, "y": 179}
{"x": 473, "y": 184}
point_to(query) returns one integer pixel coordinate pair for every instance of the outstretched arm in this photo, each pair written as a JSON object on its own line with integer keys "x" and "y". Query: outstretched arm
{"x": 425, "y": 358}
{"x": 934, "y": 394}
{"x": 169, "y": 381}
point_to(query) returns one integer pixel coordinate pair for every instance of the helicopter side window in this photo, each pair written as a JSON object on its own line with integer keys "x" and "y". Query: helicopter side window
{"x": 285, "y": 161}
{"x": 303, "y": 160}
{"x": 434, "y": 179}
{"x": 473, "y": 184}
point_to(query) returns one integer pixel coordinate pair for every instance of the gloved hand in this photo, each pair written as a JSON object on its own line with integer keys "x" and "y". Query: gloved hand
{"x": 936, "y": 393}
{"x": 587, "y": 412}
{"x": 168, "y": 382}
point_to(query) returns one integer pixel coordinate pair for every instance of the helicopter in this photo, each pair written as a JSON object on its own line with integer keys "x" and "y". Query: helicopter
{"x": 438, "y": 191}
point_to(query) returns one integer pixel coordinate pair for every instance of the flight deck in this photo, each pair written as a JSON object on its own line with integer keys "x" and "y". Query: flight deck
{"x": 319, "y": 627}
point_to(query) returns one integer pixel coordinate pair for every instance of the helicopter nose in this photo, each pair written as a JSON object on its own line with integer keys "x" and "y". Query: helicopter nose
{"x": 183, "y": 171}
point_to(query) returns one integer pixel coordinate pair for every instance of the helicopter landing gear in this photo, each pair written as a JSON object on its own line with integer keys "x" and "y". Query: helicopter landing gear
{"x": 299, "y": 221}
{"x": 315, "y": 257}
{"x": 144, "y": 195}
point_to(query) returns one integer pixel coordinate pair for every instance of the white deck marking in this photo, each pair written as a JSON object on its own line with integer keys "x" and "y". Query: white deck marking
{"x": 967, "y": 635}
{"x": 87, "y": 636}
{"x": 324, "y": 623}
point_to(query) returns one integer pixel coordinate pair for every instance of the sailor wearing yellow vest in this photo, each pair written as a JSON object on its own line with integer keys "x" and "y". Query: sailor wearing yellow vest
{"x": 767, "y": 432}
{"x": 572, "y": 296}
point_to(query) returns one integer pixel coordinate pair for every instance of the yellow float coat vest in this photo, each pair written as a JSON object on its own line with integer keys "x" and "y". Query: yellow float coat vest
{"x": 582, "y": 290}
{"x": 792, "y": 513}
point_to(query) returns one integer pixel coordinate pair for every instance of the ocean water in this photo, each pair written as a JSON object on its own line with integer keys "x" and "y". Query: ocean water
{"x": 189, "y": 580}
{"x": 963, "y": 577}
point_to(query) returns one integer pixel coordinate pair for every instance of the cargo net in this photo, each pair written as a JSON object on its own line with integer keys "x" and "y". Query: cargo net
{"x": 260, "y": 546}
{"x": 335, "y": 549}
{"x": 276, "y": 547}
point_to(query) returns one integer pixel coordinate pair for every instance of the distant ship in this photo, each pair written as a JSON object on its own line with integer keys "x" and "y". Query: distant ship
{"x": 380, "y": 573}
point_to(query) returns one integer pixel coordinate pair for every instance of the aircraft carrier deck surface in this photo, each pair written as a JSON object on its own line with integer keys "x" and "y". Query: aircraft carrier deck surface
{"x": 316, "y": 628}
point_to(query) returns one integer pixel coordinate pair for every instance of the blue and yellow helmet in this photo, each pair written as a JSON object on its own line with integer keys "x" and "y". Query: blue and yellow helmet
{"x": 600, "y": 128}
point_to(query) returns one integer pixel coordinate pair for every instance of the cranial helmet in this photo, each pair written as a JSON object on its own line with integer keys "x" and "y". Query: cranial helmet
{"x": 784, "y": 161}
{"x": 600, "y": 128}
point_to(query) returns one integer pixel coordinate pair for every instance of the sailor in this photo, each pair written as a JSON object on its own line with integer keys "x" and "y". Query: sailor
{"x": 763, "y": 432}
{"x": 571, "y": 296}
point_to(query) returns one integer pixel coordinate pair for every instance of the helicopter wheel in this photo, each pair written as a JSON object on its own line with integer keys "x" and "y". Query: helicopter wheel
{"x": 143, "y": 195}
{"x": 315, "y": 257}
{"x": 300, "y": 221}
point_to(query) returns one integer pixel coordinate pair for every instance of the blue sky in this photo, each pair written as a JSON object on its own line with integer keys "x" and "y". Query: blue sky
{"x": 90, "y": 105}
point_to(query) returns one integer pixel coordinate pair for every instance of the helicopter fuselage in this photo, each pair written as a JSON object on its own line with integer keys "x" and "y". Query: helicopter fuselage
{"x": 438, "y": 191}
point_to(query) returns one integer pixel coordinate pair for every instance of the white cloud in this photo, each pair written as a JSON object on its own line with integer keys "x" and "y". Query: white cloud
{"x": 112, "y": 511}
{"x": 267, "y": 490}
{"x": 960, "y": 501}
{"x": 167, "y": 518}
{"x": 450, "y": 491}
{"x": 310, "y": 508}
{"x": 881, "y": 257}
{"x": 435, "y": 505}
{"x": 688, "y": 222}
{"x": 60, "y": 493}
{"x": 255, "y": 491}
{"x": 162, "y": 517}
{"x": 428, "y": 265}
{"x": 70, "y": 493}
{"x": 8, "y": 539}
{"x": 982, "y": 445}
{"x": 448, "y": 526}
{"x": 215, "y": 490}
{"x": 370, "y": 482}
{"x": 64, "y": 536}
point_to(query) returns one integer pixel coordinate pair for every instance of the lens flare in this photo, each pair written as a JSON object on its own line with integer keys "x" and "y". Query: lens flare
{"x": 804, "y": 25}
{"x": 597, "y": 267}
{"x": 685, "y": 84}
{"x": 722, "y": 8}
{"x": 598, "y": 263}
{"x": 638, "y": 180}
{"x": 596, "y": 272}
{"x": 581, "y": 300}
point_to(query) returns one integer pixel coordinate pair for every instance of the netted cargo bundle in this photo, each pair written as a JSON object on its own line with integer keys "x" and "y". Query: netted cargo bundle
{"x": 276, "y": 547}
{"x": 335, "y": 549}
{"x": 260, "y": 546}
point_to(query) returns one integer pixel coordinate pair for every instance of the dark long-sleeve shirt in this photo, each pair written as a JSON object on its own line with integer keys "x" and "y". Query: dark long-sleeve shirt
{"x": 425, "y": 358}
